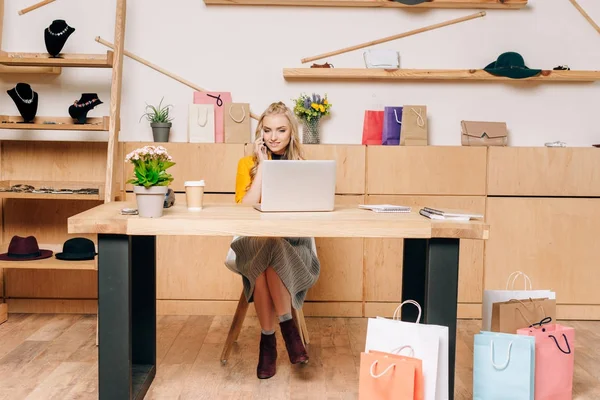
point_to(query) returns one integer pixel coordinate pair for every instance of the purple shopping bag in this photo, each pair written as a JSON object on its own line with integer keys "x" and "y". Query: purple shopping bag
{"x": 392, "y": 121}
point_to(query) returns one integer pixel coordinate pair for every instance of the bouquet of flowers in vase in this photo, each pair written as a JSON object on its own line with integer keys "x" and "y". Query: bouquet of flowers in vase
{"x": 310, "y": 109}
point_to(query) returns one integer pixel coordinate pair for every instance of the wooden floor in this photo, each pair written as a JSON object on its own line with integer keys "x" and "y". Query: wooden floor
{"x": 54, "y": 357}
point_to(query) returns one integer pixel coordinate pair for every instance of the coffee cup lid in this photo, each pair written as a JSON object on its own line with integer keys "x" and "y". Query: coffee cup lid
{"x": 194, "y": 183}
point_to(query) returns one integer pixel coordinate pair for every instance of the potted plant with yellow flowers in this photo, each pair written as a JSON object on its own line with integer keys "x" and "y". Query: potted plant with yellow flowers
{"x": 310, "y": 110}
{"x": 151, "y": 180}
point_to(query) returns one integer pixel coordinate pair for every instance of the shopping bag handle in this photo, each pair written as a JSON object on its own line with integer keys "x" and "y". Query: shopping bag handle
{"x": 243, "y": 114}
{"x": 384, "y": 371}
{"x": 397, "y": 350}
{"x": 205, "y": 116}
{"x": 397, "y": 311}
{"x": 525, "y": 278}
{"x": 503, "y": 366}
{"x": 566, "y": 341}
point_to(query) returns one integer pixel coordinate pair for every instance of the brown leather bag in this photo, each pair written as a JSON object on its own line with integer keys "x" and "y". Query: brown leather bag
{"x": 326, "y": 65}
{"x": 482, "y": 133}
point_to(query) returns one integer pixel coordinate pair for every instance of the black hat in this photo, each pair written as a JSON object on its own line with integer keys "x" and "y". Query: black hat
{"x": 77, "y": 249}
{"x": 511, "y": 65}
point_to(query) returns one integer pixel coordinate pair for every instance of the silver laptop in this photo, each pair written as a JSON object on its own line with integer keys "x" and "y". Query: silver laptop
{"x": 297, "y": 185}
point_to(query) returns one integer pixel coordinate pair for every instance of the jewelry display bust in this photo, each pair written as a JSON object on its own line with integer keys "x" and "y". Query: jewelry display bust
{"x": 56, "y": 35}
{"x": 79, "y": 109}
{"x": 25, "y": 99}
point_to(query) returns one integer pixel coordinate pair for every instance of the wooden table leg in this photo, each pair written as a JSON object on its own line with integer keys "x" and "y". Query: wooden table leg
{"x": 430, "y": 277}
{"x": 236, "y": 327}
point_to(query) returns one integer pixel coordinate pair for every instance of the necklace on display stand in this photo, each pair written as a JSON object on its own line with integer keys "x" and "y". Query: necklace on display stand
{"x": 56, "y": 35}
{"x": 26, "y": 100}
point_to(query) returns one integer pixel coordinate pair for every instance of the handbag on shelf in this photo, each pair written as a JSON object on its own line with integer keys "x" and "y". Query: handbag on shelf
{"x": 218, "y": 100}
{"x": 482, "y": 133}
{"x": 237, "y": 123}
{"x": 201, "y": 123}
{"x": 387, "y": 59}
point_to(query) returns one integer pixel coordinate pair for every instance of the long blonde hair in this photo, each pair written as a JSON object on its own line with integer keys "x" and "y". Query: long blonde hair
{"x": 294, "y": 150}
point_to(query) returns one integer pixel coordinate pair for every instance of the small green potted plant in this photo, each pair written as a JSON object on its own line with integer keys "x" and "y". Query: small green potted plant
{"x": 151, "y": 180}
{"x": 160, "y": 121}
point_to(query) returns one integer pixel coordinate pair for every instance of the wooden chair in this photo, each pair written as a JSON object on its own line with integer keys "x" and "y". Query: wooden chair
{"x": 238, "y": 320}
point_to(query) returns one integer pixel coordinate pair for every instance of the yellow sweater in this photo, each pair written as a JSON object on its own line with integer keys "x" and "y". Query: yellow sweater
{"x": 242, "y": 179}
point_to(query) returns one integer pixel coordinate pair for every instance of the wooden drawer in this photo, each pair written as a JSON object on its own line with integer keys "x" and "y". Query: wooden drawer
{"x": 383, "y": 265}
{"x": 216, "y": 163}
{"x": 350, "y": 164}
{"x": 553, "y": 240}
{"x": 543, "y": 171}
{"x": 426, "y": 170}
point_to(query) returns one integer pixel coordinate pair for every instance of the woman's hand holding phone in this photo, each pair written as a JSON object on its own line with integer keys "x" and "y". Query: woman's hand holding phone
{"x": 260, "y": 149}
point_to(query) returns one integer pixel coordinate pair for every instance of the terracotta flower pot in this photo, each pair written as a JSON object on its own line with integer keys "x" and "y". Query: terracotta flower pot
{"x": 150, "y": 201}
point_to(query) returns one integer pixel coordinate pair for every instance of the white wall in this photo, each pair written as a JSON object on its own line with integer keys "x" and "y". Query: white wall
{"x": 200, "y": 43}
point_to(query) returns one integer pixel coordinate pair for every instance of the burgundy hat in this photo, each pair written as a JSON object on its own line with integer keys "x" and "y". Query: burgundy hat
{"x": 24, "y": 249}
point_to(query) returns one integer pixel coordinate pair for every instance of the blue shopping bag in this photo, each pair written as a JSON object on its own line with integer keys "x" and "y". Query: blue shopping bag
{"x": 503, "y": 367}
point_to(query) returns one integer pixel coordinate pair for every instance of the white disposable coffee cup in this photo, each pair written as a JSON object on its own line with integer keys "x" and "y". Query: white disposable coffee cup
{"x": 194, "y": 194}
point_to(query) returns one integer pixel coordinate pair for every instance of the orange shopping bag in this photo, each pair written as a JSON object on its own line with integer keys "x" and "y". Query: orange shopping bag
{"x": 419, "y": 382}
{"x": 385, "y": 376}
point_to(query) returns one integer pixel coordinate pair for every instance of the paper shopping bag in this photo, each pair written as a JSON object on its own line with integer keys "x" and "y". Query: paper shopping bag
{"x": 372, "y": 127}
{"x": 386, "y": 378}
{"x": 201, "y": 123}
{"x": 414, "y": 126}
{"x": 503, "y": 367}
{"x": 554, "y": 361}
{"x": 497, "y": 296}
{"x": 429, "y": 343}
{"x": 392, "y": 121}
{"x": 219, "y": 99}
{"x": 237, "y": 123}
{"x": 509, "y": 316}
{"x": 419, "y": 384}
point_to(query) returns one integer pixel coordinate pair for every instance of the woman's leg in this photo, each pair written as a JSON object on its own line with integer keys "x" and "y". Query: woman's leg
{"x": 267, "y": 356}
{"x": 264, "y": 304}
{"x": 283, "y": 306}
{"x": 279, "y": 293}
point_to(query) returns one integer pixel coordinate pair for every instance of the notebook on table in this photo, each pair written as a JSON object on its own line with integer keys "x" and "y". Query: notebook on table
{"x": 448, "y": 215}
{"x": 385, "y": 208}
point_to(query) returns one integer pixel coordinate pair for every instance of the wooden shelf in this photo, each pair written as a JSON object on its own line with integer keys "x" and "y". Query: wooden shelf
{"x": 55, "y": 185}
{"x": 364, "y": 74}
{"x": 60, "y": 124}
{"x": 48, "y": 263}
{"x": 63, "y": 60}
{"x": 30, "y": 70}
{"x": 473, "y": 4}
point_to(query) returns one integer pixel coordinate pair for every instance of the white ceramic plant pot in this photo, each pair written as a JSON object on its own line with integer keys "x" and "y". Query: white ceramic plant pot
{"x": 150, "y": 201}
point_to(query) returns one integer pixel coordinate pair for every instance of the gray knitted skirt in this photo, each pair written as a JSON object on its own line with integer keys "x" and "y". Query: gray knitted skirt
{"x": 292, "y": 259}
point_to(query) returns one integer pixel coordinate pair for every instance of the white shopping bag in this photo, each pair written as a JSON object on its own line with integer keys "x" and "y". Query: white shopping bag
{"x": 429, "y": 343}
{"x": 201, "y": 123}
{"x": 497, "y": 296}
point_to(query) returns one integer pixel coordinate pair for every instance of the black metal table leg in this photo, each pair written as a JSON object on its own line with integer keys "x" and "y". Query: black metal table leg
{"x": 430, "y": 277}
{"x": 126, "y": 316}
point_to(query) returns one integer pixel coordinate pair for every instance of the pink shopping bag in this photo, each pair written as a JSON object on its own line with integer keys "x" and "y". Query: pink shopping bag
{"x": 372, "y": 127}
{"x": 219, "y": 99}
{"x": 554, "y": 360}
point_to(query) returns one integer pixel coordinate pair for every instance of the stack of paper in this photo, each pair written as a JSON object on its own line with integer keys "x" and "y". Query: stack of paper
{"x": 385, "y": 208}
{"x": 449, "y": 215}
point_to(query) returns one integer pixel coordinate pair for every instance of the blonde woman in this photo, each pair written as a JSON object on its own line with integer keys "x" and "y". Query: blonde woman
{"x": 276, "y": 272}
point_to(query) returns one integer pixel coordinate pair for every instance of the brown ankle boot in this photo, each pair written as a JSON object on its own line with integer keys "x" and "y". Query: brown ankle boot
{"x": 267, "y": 357}
{"x": 293, "y": 342}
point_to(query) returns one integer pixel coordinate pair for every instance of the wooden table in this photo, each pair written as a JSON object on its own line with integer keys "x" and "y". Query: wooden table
{"x": 127, "y": 271}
